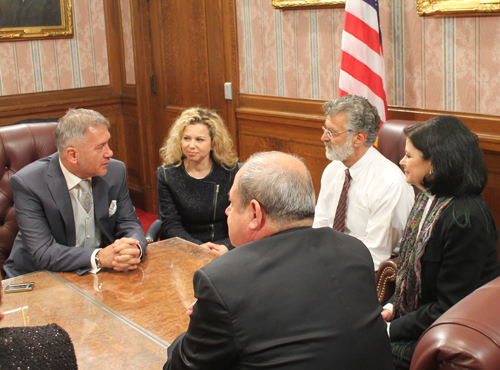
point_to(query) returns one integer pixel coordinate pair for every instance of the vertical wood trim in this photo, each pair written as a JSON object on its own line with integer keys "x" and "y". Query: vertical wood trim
{"x": 114, "y": 38}
{"x": 231, "y": 61}
{"x": 147, "y": 104}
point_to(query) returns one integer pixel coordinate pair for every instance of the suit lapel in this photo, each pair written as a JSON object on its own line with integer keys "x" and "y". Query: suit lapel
{"x": 101, "y": 203}
{"x": 60, "y": 194}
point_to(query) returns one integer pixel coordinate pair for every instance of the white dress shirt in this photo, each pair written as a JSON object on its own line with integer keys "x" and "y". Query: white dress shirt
{"x": 378, "y": 202}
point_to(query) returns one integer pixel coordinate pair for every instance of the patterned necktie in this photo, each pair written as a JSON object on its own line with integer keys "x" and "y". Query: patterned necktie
{"x": 85, "y": 195}
{"x": 339, "y": 223}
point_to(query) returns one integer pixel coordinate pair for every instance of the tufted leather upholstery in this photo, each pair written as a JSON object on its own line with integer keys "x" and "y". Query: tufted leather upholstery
{"x": 467, "y": 336}
{"x": 386, "y": 280}
{"x": 20, "y": 145}
{"x": 391, "y": 143}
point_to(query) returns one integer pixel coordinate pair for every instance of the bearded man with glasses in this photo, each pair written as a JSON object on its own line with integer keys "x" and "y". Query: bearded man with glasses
{"x": 363, "y": 194}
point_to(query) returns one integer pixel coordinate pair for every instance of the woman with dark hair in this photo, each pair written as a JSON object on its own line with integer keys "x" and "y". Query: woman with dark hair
{"x": 449, "y": 246}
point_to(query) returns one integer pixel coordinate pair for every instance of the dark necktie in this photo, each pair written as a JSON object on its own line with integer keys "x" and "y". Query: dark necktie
{"x": 339, "y": 223}
{"x": 85, "y": 195}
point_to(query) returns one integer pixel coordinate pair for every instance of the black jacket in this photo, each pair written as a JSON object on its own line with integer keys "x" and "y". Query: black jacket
{"x": 194, "y": 209}
{"x": 36, "y": 347}
{"x": 456, "y": 261}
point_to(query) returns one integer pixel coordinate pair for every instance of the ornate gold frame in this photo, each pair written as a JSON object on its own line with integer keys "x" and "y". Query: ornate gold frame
{"x": 26, "y": 33}
{"x": 285, "y": 4}
{"x": 457, "y": 7}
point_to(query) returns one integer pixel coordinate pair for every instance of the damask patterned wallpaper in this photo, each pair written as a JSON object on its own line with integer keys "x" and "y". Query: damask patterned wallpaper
{"x": 443, "y": 63}
{"x": 127, "y": 41}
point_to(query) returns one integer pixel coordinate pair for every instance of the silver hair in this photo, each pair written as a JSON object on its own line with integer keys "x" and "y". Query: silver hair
{"x": 72, "y": 127}
{"x": 361, "y": 115}
{"x": 285, "y": 193}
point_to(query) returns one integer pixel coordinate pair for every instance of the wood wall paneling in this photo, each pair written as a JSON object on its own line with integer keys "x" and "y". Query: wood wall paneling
{"x": 491, "y": 193}
{"x": 265, "y": 126}
{"x": 114, "y": 35}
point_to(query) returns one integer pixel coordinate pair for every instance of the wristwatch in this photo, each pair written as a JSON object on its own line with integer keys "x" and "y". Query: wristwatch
{"x": 97, "y": 261}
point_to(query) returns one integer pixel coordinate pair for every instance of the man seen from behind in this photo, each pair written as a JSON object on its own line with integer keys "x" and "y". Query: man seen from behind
{"x": 289, "y": 296}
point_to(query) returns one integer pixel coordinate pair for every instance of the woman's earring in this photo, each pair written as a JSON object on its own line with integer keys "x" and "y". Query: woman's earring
{"x": 431, "y": 171}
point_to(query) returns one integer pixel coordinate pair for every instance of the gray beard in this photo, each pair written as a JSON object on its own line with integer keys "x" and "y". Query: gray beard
{"x": 339, "y": 153}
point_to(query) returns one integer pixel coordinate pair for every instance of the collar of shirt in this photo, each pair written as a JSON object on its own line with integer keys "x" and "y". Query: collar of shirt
{"x": 71, "y": 179}
{"x": 362, "y": 163}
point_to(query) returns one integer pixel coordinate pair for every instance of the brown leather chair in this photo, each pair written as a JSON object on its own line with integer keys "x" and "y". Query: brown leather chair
{"x": 391, "y": 143}
{"x": 20, "y": 144}
{"x": 467, "y": 336}
{"x": 391, "y": 139}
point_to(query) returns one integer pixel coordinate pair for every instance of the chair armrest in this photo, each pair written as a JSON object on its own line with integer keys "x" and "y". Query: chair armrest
{"x": 153, "y": 232}
{"x": 386, "y": 280}
{"x": 467, "y": 336}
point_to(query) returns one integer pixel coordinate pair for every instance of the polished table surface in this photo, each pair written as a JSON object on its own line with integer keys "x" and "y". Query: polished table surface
{"x": 115, "y": 319}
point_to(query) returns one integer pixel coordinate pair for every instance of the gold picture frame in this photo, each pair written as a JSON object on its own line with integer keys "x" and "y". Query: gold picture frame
{"x": 457, "y": 7}
{"x": 18, "y": 23}
{"x": 286, "y": 4}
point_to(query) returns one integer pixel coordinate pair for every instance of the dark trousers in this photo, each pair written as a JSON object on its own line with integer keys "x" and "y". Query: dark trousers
{"x": 402, "y": 353}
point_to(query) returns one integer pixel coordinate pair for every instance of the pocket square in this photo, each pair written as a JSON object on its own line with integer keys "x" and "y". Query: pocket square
{"x": 112, "y": 208}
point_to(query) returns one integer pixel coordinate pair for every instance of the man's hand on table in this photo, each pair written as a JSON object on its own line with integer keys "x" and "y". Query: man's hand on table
{"x": 122, "y": 255}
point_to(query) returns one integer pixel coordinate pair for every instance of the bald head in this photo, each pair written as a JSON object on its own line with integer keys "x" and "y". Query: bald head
{"x": 281, "y": 183}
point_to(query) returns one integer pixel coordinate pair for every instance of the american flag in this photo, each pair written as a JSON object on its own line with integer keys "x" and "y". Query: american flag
{"x": 362, "y": 69}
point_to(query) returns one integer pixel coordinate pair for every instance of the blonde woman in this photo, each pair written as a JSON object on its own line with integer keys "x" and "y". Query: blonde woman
{"x": 199, "y": 166}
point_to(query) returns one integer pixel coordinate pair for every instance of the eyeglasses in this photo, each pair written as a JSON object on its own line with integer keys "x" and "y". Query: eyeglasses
{"x": 331, "y": 133}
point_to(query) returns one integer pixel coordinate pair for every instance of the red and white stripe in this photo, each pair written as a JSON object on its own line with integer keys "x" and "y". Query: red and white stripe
{"x": 362, "y": 70}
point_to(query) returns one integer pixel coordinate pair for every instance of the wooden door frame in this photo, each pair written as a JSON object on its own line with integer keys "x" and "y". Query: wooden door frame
{"x": 146, "y": 19}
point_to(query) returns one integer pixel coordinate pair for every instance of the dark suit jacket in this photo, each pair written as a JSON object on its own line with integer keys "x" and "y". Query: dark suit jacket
{"x": 301, "y": 299}
{"x": 44, "y": 213}
{"x": 456, "y": 261}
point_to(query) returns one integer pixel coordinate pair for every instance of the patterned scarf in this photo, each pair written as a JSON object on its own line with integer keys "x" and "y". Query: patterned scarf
{"x": 408, "y": 283}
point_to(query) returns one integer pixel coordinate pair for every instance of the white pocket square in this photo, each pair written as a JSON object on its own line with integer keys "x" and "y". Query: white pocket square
{"x": 112, "y": 208}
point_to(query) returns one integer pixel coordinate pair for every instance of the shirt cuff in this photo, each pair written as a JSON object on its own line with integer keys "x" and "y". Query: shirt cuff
{"x": 94, "y": 269}
{"x": 390, "y": 307}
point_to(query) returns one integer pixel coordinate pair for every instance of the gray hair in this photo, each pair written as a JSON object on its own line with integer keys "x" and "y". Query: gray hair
{"x": 361, "y": 115}
{"x": 72, "y": 127}
{"x": 285, "y": 193}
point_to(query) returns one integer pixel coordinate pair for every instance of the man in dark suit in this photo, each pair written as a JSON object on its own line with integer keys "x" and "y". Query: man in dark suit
{"x": 289, "y": 296}
{"x": 73, "y": 207}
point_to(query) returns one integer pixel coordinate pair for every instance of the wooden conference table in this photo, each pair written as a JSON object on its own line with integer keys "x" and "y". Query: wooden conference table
{"x": 115, "y": 320}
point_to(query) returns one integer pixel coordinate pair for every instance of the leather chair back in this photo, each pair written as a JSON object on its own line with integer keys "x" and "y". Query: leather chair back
{"x": 20, "y": 145}
{"x": 467, "y": 336}
{"x": 391, "y": 139}
{"x": 391, "y": 143}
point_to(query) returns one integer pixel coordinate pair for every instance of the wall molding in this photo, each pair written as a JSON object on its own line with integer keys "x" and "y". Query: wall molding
{"x": 54, "y": 103}
{"x": 298, "y": 112}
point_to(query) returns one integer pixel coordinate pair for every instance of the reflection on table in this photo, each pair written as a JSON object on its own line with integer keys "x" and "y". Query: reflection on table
{"x": 157, "y": 294}
{"x": 115, "y": 320}
{"x": 99, "y": 337}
